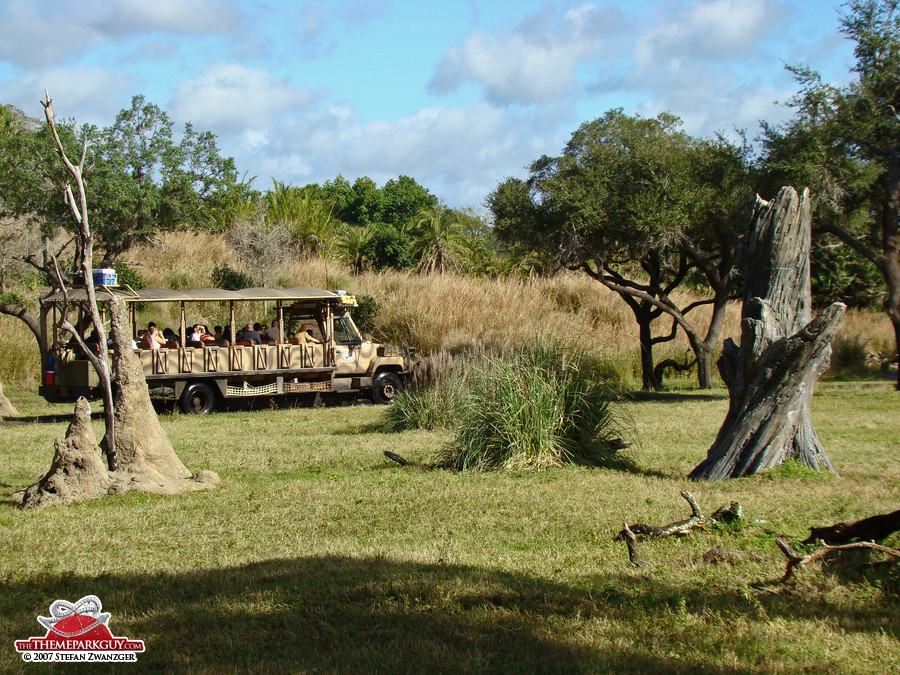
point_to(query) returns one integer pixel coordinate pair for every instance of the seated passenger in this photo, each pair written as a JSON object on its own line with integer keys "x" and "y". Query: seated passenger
{"x": 274, "y": 333}
{"x": 152, "y": 338}
{"x": 206, "y": 336}
{"x": 170, "y": 335}
{"x": 249, "y": 334}
{"x": 304, "y": 334}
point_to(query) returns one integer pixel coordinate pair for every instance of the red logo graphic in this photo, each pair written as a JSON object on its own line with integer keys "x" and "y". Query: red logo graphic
{"x": 78, "y": 632}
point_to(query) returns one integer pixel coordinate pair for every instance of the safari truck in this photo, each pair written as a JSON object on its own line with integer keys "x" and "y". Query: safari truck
{"x": 200, "y": 376}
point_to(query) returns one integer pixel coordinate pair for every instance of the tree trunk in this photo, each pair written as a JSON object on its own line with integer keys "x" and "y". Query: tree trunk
{"x": 704, "y": 368}
{"x": 646, "y": 342}
{"x": 21, "y": 313}
{"x": 891, "y": 272}
{"x": 772, "y": 375}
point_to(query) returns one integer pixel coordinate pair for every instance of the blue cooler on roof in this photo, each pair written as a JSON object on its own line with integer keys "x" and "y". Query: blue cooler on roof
{"x": 105, "y": 277}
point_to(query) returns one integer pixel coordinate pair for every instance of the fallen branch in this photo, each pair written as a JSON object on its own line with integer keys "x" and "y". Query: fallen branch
{"x": 634, "y": 555}
{"x": 867, "y": 529}
{"x": 796, "y": 560}
{"x": 680, "y": 527}
{"x": 396, "y": 458}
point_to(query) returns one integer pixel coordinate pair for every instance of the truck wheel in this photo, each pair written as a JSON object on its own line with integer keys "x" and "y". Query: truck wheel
{"x": 385, "y": 387}
{"x": 198, "y": 399}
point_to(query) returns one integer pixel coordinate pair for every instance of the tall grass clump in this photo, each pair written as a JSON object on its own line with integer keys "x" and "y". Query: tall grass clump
{"x": 535, "y": 407}
{"x": 434, "y": 398}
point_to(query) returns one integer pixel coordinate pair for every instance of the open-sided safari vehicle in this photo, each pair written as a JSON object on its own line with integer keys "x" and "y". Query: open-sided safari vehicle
{"x": 200, "y": 376}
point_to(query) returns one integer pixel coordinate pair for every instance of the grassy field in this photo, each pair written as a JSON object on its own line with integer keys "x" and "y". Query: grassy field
{"x": 319, "y": 554}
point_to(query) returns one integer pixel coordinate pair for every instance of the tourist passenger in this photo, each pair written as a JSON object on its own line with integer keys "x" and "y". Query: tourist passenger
{"x": 152, "y": 338}
{"x": 250, "y": 334}
{"x": 274, "y": 332}
{"x": 171, "y": 336}
{"x": 304, "y": 334}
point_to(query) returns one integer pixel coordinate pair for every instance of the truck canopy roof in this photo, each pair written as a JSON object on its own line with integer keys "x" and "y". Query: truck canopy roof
{"x": 104, "y": 293}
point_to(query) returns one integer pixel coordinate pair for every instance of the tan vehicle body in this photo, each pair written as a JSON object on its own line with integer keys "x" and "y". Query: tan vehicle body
{"x": 201, "y": 376}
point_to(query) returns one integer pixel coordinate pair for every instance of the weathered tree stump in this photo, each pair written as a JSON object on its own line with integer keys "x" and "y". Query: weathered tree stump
{"x": 772, "y": 375}
{"x": 146, "y": 456}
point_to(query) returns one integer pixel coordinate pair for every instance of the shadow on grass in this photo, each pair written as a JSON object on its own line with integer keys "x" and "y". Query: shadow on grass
{"x": 673, "y": 396}
{"x": 341, "y": 614}
{"x": 23, "y": 420}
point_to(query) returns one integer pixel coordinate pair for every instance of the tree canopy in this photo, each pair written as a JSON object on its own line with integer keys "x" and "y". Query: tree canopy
{"x": 141, "y": 181}
{"x": 844, "y": 142}
{"x": 642, "y": 207}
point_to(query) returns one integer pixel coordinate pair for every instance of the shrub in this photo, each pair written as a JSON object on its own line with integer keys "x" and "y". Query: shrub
{"x": 230, "y": 279}
{"x": 535, "y": 407}
{"x": 433, "y": 400}
{"x": 850, "y": 352}
{"x": 126, "y": 274}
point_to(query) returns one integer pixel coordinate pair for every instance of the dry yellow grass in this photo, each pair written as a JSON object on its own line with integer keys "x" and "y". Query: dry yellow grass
{"x": 439, "y": 311}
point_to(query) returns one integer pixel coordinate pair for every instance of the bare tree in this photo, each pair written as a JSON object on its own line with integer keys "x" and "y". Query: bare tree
{"x": 79, "y": 209}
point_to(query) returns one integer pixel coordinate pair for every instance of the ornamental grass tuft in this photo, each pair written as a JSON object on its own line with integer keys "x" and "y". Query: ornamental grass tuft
{"x": 538, "y": 406}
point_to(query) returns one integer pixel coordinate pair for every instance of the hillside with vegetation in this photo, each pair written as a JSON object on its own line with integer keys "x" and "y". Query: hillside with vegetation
{"x": 450, "y": 311}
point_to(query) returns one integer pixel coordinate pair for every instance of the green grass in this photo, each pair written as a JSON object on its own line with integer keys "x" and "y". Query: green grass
{"x": 319, "y": 554}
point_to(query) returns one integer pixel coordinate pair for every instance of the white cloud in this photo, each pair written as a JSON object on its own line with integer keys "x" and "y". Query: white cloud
{"x": 534, "y": 62}
{"x": 90, "y": 95}
{"x": 231, "y": 97}
{"x": 316, "y": 17}
{"x": 689, "y": 39}
{"x": 695, "y": 59}
{"x": 458, "y": 153}
{"x": 41, "y": 32}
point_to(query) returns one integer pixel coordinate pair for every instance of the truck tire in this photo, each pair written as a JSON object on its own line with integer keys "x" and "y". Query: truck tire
{"x": 198, "y": 399}
{"x": 385, "y": 387}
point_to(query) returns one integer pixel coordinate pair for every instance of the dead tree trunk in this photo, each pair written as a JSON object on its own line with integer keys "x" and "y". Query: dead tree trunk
{"x": 771, "y": 376}
{"x": 84, "y": 251}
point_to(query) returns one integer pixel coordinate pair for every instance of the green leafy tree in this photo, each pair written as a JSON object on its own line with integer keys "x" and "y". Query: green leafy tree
{"x": 388, "y": 248}
{"x": 306, "y": 213}
{"x": 643, "y": 208}
{"x": 385, "y": 211}
{"x": 844, "y": 143}
{"x": 140, "y": 180}
{"x": 31, "y": 179}
{"x": 402, "y": 199}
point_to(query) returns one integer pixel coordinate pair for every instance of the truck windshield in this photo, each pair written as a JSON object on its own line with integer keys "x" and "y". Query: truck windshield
{"x": 345, "y": 332}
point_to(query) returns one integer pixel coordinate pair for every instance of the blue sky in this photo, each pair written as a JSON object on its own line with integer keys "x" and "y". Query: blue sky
{"x": 456, "y": 94}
